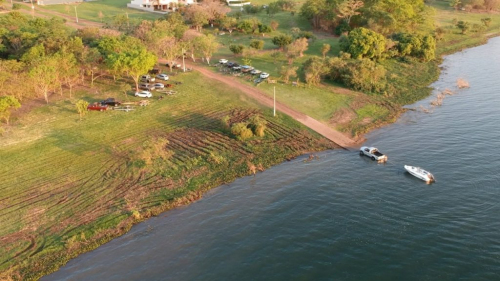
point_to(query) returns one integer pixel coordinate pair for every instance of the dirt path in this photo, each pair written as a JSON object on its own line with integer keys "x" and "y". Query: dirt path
{"x": 263, "y": 99}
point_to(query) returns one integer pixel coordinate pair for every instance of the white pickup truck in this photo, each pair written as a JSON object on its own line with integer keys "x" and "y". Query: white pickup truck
{"x": 373, "y": 153}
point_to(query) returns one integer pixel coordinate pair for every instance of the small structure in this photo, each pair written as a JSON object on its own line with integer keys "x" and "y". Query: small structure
{"x": 237, "y": 3}
{"x": 158, "y": 5}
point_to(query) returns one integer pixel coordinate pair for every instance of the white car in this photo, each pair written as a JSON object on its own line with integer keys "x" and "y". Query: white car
{"x": 255, "y": 72}
{"x": 264, "y": 75}
{"x": 147, "y": 78}
{"x": 237, "y": 67}
{"x": 162, "y": 76}
{"x": 373, "y": 153}
{"x": 159, "y": 86}
{"x": 222, "y": 61}
{"x": 143, "y": 94}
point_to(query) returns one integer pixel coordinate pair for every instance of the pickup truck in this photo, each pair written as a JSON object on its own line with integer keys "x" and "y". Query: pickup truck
{"x": 373, "y": 153}
{"x": 110, "y": 102}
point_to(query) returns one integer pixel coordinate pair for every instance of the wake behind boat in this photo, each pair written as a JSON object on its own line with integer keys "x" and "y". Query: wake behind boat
{"x": 420, "y": 173}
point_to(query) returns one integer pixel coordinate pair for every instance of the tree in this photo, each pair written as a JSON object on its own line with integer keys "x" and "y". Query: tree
{"x": 315, "y": 11}
{"x": 288, "y": 71}
{"x": 245, "y": 26}
{"x": 349, "y": 8}
{"x": 325, "y": 49}
{"x": 170, "y": 49}
{"x": 455, "y": 4}
{"x": 298, "y": 47}
{"x": 491, "y": 4}
{"x": 207, "y": 45}
{"x": 363, "y": 43}
{"x": 282, "y": 40}
{"x": 314, "y": 68}
{"x": 134, "y": 62}
{"x": 68, "y": 69}
{"x": 486, "y": 21}
{"x": 6, "y": 104}
{"x": 215, "y": 9}
{"x": 257, "y": 44}
{"x": 264, "y": 29}
{"x": 236, "y": 49}
{"x": 464, "y": 26}
{"x": 273, "y": 8}
{"x": 44, "y": 76}
{"x": 197, "y": 15}
{"x": 274, "y": 25}
{"x": 228, "y": 23}
{"x": 100, "y": 15}
{"x": 81, "y": 108}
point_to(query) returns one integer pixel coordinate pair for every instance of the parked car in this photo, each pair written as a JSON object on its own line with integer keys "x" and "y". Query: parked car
{"x": 264, "y": 75}
{"x": 110, "y": 102}
{"x": 145, "y": 86}
{"x": 174, "y": 65}
{"x": 159, "y": 86}
{"x": 154, "y": 71}
{"x": 246, "y": 68}
{"x": 222, "y": 61}
{"x": 162, "y": 76}
{"x": 143, "y": 94}
{"x": 230, "y": 64}
{"x": 255, "y": 72}
{"x": 147, "y": 78}
{"x": 237, "y": 67}
{"x": 97, "y": 106}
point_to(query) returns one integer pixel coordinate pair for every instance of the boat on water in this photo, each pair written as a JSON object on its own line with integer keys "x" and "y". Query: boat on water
{"x": 420, "y": 173}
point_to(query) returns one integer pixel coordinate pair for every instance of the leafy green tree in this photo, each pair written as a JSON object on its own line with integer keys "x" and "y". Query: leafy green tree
{"x": 263, "y": 29}
{"x": 43, "y": 76}
{"x": 364, "y": 43}
{"x": 245, "y": 26}
{"x": 282, "y": 40}
{"x": 229, "y": 24}
{"x": 325, "y": 49}
{"x": 416, "y": 45}
{"x": 464, "y": 26}
{"x": 315, "y": 11}
{"x": 81, "y": 108}
{"x": 197, "y": 15}
{"x": 236, "y": 49}
{"x": 7, "y": 103}
{"x": 273, "y": 8}
{"x": 169, "y": 48}
{"x": 134, "y": 62}
{"x": 207, "y": 45}
{"x": 257, "y": 44}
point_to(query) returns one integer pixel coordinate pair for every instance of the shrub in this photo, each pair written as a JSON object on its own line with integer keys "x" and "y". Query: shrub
{"x": 257, "y": 44}
{"x": 257, "y": 125}
{"x": 306, "y": 34}
{"x": 415, "y": 45}
{"x": 236, "y": 49}
{"x": 342, "y": 28}
{"x": 241, "y": 131}
{"x": 464, "y": 26}
{"x": 282, "y": 40}
{"x": 361, "y": 74}
{"x": 486, "y": 21}
{"x": 16, "y": 6}
{"x": 363, "y": 43}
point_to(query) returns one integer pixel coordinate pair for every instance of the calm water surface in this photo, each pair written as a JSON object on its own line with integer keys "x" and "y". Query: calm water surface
{"x": 344, "y": 217}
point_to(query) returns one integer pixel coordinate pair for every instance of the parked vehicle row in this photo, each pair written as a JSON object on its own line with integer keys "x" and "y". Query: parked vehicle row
{"x": 244, "y": 68}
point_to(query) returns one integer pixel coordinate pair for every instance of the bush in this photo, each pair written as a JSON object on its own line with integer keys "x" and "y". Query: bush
{"x": 342, "y": 28}
{"x": 363, "y": 43}
{"x": 257, "y": 125}
{"x": 236, "y": 49}
{"x": 361, "y": 74}
{"x": 306, "y": 34}
{"x": 241, "y": 131}
{"x": 282, "y": 40}
{"x": 423, "y": 47}
{"x": 257, "y": 44}
{"x": 16, "y": 6}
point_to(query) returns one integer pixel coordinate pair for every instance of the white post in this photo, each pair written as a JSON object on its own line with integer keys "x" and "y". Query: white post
{"x": 274, "y": 109}
{"x": 76, "y": 15}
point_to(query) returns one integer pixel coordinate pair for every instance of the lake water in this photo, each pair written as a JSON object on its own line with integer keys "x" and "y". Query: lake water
{"x": 344, "y": 217}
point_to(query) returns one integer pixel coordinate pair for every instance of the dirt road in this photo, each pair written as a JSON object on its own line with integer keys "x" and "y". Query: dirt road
{"x": 263, "y": 99}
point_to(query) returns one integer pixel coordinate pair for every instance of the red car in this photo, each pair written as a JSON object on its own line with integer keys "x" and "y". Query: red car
{"x": 97, "y": 106}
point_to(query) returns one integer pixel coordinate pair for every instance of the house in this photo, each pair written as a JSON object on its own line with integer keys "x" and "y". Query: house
{"x": 158, "y": 5}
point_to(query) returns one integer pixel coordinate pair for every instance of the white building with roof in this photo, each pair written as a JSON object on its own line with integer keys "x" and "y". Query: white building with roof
{"x": 158, "y": 5}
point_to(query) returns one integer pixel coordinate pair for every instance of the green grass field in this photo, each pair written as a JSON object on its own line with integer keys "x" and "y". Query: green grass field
{"x": 70, "y": 185}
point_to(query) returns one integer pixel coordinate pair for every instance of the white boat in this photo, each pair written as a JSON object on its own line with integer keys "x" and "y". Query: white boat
{"x": 420, "y": 173}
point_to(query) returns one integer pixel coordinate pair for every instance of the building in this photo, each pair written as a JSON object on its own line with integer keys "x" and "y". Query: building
{"x": 158, "y": 5}
{"x": 237, "y": 3}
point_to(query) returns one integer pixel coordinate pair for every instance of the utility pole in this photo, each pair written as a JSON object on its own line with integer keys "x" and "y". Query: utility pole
{"x": 128, "y": 22}
{"x": 274, "y": 108}
{"x": 32, "y": 9}
{"x": 76, "y": 15}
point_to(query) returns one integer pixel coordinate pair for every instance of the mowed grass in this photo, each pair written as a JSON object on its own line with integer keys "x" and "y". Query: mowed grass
{"x": 69, "y": 185}
{"x": 109, "y": 8}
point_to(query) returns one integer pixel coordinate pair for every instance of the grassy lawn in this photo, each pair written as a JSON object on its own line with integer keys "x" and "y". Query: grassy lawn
{"x": 70, "y": 185}
{"x": 109, "y": 8}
